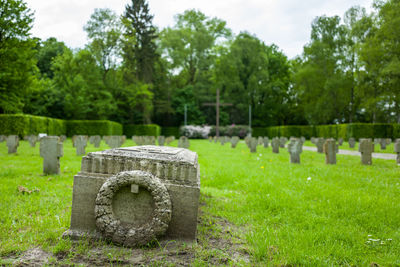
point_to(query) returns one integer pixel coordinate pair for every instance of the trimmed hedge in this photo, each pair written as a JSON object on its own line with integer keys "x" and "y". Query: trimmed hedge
{"x": 345, "y": 131}
{"x": 170, "y": 131}
{"x": 93, "y": 127}
{"x": 140, "y": 130}
{"x": 22, "y": 124}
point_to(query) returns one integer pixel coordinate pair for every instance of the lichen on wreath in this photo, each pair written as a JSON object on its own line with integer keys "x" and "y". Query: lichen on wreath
{"x": 130, "y": 236}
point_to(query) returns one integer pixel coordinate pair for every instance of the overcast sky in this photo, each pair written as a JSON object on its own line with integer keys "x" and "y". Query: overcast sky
{"x": 287, "y": 23}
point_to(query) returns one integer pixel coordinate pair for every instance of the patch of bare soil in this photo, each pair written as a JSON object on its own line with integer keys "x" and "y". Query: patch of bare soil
{"x": 218, "y": 243}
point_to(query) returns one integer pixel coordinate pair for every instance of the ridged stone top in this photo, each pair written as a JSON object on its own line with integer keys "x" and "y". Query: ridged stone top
{"x": 170, "y": 163}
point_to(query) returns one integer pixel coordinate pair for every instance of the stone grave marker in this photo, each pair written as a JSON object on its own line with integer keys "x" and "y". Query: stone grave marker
{"x": 282, "y": 141}
{"x": 63, "y": 138}
{"x": 170, "y": 139}
{"x": 234, "y": 141}
{"x": 340, "y": 141}
{"x": 150, "y": 140}
{"x": 275, "y": 143}
{"x": 253, "y": 145}
{"x": 266, "y": 142}
{"x": 366, "y": 148}
{"x": 352, "y": 142}
{"x": 95, "y": 140}
{"x": 134, "y": 195}
{"x": 313, "y": 140}
{"x": 222, "y": 140}
{"x": 260, "y": 141}
{"x": 3, "y": 138}
{"x": 161, "y": 140}
{"x": 51, "y": 149}
{"x": 295, "y": 147}
{"x": 210, "y": 139}
{"x": 114, "y": 141}
{"x": 12, "y": 143}
{"x": 383, "y": 143}
{"x": 183, "y": 142}
{"x": 247, "y": 141}
{"x": 388, "y": 141}
{"x": 215, "y": 139}
{"x": 303, "y": 139}
{"x": 330, "y": 150}
{"x": 80, "y": 142}
{"x": 377, "y": 141}
{"x": 397, "y": 150}
{"x": 32, "y": 139}
{"x": 319, "y": 142}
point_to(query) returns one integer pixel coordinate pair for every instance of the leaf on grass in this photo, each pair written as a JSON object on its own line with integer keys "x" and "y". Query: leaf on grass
{"x": 24, "y": 190}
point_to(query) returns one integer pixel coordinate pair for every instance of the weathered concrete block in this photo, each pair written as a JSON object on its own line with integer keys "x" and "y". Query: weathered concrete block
{"x": 133, "y": 195}
{"x": 366, "y": 148}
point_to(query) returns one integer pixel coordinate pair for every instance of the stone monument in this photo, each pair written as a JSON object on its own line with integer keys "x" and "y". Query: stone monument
{"x": 397, "y": 150}
{"x": 234, "y": 141}
{"x": 282, "y": 141}
{"x": 319, "y": 142}
{"x": 383, "y": 143}
{"x": 266, "y": 142}
{"x": 95, "y": 140}
{"x": 330, "y": 150}
{"x": 295, "y": 147}
{"x": 32, "y": 139}
{"x": 366, "y": 148}
{"x": 340, "y": 141}
{"x": 133, "y": 195}
{"x": 253, "y": 145}
{"x": 12, "y": 143}
{"x": 170, "y": 139}
{"x": 161, "y": 140}
{"x": 51, "y": 149}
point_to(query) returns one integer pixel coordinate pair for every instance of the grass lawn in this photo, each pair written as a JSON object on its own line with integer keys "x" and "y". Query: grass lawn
{"x": 281, "y": 213}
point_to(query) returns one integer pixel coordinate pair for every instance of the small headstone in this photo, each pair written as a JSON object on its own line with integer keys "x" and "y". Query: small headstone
{"x": 266, "y": 142}
{"x": 161, "y": 140}
{"x": 183, "y": 142}
{"x": 63, "y": 138}
{"x": 275, "y": 143}
{"x": 303, "y": 139}
{"x": 295, "y": 147}
{"x": 3, "y": 138}
{"x": 260, "y": 141}
{"x": 215, "y": 139}
{"x": 51, "y": 149}
{"x": 222, "y": 140}
{"x": 352, "y": 142}
{"x": 12, "y": 143}
{"x": 377, "y": 141}
{"x": 95, "y": 140}
{"x": 210, "y": 139}
{"x": 114, "y": 141}
{"x": 388, "y": 141}
{"x": 313, "y": 140}
{"x": 366, "y": 148}
{"x": 282, "y": 141}
{"x": 330, "y": 149}
{"x": 397, "y": 150}
{"x": 253, "y": 145}
{"x": 247, "y": 141}
{"x": 32, "y": 139}
{"x": 383, "y": 143}
{"x": 80, "y": 143}
{"x": 234, "y": 141}
{"x": 150, "y": 140}
{"x": 319, "y": 142}
{"x": 169, "y": 139}
{"x": 340, "y": 141}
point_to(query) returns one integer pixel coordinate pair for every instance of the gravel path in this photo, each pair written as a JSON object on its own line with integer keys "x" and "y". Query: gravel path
{"x": 356, "y": 153}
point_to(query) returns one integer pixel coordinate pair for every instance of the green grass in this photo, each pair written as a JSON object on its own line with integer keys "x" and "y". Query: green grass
{"x": 345, "y": 145}
{"x": 308, "y": 214}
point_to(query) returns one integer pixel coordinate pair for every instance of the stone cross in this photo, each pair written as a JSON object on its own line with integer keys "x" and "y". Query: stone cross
{"x": 397, "y": 150}
{"x": 217, "y": 104}
{"x": 169, "y": 139}
{"x": 260, "y": 141}
{"x": 352, "y": 142}
{"x": 265, "y": 141}
{"x": 12, "y": 143}
{"x": 161, "y": 140}
{"x": 282, "y": 141}
{"x": 366, "y": 148}
{"x": 295, "y": 147}
{"x": 330, "y": 150}
{"x": 95, "y": 140}
{"x": 303, "y": 139}
{"x": 32, "y": 139}
{"x": 222, "y": 140}
{"x": 319, "y": 142}
{"x": 383, "y": 143}
{"x": 275, "y": 144}
{"x": 183, "y": 142}
{"x": 253, "y": 144}
{"x": 247, "y": 141}
{"x": 80, "y": 142}
{"x": 234, "y": 141}
{"x": 51, "y": 149}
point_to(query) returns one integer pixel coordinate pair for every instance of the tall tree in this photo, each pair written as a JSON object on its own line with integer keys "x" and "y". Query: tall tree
{"x": 142, "y": 55}
{"x": 17, "y": 57}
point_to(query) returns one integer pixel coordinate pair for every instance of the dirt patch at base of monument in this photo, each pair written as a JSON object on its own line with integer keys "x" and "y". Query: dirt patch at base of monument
{"x": 218, "y": 243}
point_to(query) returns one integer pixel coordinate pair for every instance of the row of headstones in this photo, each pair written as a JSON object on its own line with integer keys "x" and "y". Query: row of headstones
{"x": 383, "y": 142}
{"x": 328, "y": 146}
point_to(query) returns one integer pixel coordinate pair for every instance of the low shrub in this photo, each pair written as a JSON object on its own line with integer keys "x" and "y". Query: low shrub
{"x": 170, "y": 131}
{"x": 93, "y": 127}
{"x": 141, "y": 130}
{"x": 195, "y": 132}
{"x": 233, "y": 130}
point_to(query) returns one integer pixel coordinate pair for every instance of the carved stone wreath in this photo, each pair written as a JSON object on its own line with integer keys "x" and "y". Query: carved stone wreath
{"x": 128, "y": 235}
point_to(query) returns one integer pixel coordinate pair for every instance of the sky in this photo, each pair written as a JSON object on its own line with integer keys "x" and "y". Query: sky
{"x": 286, "y": 23}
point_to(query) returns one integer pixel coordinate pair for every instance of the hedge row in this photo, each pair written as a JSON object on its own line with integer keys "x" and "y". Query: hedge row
{"x": 93, "y": 127}
{"x": 147, "y": 129}
{"x": 170, "y": 131}
{"x": 345, "y": 131}
{"x": 22, "y": 125}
